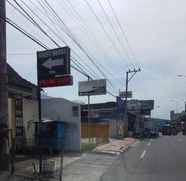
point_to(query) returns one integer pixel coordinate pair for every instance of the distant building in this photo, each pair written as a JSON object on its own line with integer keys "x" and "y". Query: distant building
{"x": 158, "y": 123}
{"x": 172, "y": 115}
{"x": 113, "y": 114}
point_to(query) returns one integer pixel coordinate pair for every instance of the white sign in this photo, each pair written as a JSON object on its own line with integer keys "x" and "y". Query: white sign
{"x": 134, "y": 105}
{"x": 92, "y": 87}
{"x": 50, "y": 63}
{"x": 123, "y": 94}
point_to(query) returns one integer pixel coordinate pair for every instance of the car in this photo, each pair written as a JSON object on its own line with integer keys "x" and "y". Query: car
{"x": 154, "y": 133}
{"x": 146, "y": 133}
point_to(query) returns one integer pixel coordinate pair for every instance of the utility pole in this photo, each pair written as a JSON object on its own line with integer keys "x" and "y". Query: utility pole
{"x": 88, "y": 115}
{"x": 128, "y": 79}
{"x": 4, "y": 164}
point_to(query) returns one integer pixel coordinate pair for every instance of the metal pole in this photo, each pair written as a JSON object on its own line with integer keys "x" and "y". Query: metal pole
{"x": 39, "y": 135}
{"x": 4, "y": 164}
{"x": 88, "y": 115}
{"x": 125, "y": 110}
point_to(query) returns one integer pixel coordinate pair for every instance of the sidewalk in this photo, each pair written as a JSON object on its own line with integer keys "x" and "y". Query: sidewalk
{"x": 92, "y": 166}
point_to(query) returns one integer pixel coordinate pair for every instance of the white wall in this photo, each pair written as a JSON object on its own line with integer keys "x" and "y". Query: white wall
{"x": 30, "y": 115}
{"x": 61, "y": 110}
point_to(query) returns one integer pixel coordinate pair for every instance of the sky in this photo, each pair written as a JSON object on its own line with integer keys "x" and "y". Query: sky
{"x": 156, "y": 34}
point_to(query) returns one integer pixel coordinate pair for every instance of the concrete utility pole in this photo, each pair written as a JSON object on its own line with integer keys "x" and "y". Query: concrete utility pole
{"x": 88, "y": 116}
{"x": 134, "y": 71}
{"x": 3, "y": 90}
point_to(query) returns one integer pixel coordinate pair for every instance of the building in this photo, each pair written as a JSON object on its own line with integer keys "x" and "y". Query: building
{"x": 158, "y": 123}
{"x": 22, "y": 108}
{"x": 59, "y": 109}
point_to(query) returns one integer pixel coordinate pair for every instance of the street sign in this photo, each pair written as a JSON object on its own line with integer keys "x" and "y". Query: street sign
{"x": 92, "y": 87}
{"x": 134, "y": 106}
{"x": 123, "y": 94}
{"x": 147, "y": 104}
{"x": 53, "y": 67}
{"x": 119, "y": 104}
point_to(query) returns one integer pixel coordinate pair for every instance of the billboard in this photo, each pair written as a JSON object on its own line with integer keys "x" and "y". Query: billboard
{"x": 92, "y": 87}
{"x": 147, "y": 104}
{"x": 123, "y": 94}
{"x": 134, "y": 106}
{"x": 53, "y": 67}
{"x": 140, "y": 106}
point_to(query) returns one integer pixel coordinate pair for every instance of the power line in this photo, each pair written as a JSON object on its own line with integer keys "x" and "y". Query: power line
{"x": 90, "y": 34}
{"x": 28, "y": 35}
{"x": 10, "y": 22}
{"x": 36, "y": 24}
{"x": 77, "y": 62}
{"x": 34, "y": 39}
{"x": 121, "y": 29}
{"x": 77, "y": 43}
{"x": 104, "y": 30}
{"x": 112, "y": 27}
{"x": 53, "y": 22}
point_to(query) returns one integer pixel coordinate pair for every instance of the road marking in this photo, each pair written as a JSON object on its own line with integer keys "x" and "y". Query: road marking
{"x": 149, "y": 144}
{"x": 143, "y": 154}
{"x": 135, "y": 144}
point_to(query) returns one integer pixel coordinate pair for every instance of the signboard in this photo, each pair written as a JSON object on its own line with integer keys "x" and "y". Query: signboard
{"x": 53, "y": 67}
{"x": 123, "y": 94}
{"x": 119, "y": 104}
{"x": 93, "y": 87}
{"x": 147, "y": 104}
{"x": 134, "y": 106}
{"x": 19, "y": 116}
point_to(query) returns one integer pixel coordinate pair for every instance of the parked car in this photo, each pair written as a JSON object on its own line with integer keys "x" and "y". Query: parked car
{"x": 146, "y": 133}
{"x": 154, "y": 133}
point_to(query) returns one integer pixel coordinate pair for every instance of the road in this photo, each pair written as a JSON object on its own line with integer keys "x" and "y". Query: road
{"x": 161, "y": 159}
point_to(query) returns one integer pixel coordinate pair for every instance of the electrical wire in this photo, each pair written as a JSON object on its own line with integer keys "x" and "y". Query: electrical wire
{"x": 90, "y": 34}
{"x": 53, "y": 22}
{"x": 122, "y": 30}
{"x": 78, "y": 44}
{"x": 34, "y": 39}
{"x": 113, "y": 29}
{"x": 104, "y": 30}
{"x": 33, "y": 22}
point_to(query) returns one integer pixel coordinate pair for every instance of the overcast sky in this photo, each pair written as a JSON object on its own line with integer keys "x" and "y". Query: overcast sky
{"x": 154, "y": 28}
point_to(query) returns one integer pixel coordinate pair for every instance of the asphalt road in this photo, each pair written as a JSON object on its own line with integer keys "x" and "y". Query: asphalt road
{"x": 161, "y": 159}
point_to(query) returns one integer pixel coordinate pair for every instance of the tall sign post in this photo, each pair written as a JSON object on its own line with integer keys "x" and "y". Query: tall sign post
{"x": 4, "y": 163}
{"x": 90, "y": 88}
{"x": 53, "y": 69}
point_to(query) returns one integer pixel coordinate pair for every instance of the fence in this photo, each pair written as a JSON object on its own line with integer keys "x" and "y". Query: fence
{"x": 95, "y": 131}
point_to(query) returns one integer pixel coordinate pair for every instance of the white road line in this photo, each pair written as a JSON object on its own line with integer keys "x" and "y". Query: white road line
{"x": 149, "y": 143}
{"x": 135, "y": 144}
{"x": 143, "y": 154}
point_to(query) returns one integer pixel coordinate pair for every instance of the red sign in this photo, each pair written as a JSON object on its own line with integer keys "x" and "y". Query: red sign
{"x": 59, "y": 81}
